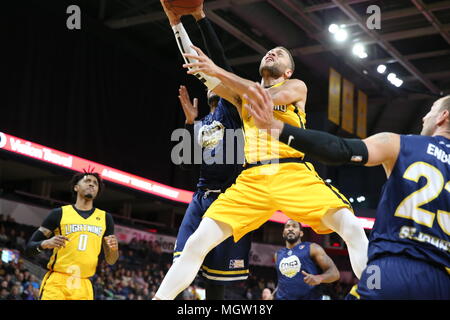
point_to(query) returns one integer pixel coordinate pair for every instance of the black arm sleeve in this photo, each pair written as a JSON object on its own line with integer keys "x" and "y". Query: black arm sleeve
{"x": 51, "y": 223}
{"x": 213, "y": 45}
{"x": 325, "y": 147}
{"x": 34, "y": 242}
{"x": 109, "y": 225}
{"x": 53, "y": 219}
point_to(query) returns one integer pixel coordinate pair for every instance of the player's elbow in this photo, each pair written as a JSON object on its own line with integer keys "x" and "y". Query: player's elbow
{"x": 29, "y": 251}
{"x": 336, "y": 275}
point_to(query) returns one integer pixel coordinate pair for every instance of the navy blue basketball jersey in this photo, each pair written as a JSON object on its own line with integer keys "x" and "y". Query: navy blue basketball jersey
{"x": 413, "y": 216}
{"x": 290, "y": 264}
{"x": 222, "y": 163}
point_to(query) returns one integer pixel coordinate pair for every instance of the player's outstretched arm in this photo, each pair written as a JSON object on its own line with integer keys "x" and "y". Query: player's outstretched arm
{"x": 383, "y": 148}
{"x": 376, "y": 150}
{"x": 211, "y": 41}
{"x": 205, "y": 65}
{"x": 185, "y": 46}
{"x": 291, "y": 91}
{"x": 190, "y": 109}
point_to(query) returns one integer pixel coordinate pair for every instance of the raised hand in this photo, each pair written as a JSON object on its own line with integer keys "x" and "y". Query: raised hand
{"x": 190, "y": 108}
{"x": 260, "y": 106}
{"x": 201, "y": 63}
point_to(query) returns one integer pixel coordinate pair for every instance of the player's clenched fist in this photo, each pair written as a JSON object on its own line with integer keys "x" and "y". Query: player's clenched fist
{"x": 111, "y": 242}
{"x": 54, "y": 242}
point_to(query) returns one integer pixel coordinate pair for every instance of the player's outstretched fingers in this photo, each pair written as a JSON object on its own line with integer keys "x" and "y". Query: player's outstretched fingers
{"x": 266, "y": 98}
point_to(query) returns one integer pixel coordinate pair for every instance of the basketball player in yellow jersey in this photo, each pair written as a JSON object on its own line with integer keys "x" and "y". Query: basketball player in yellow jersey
{"x": 275, "y": 175}
{"x": 80, "y": 231}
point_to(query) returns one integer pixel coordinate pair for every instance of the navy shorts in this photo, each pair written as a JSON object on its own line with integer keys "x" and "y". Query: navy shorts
{"x": 403, "y": 278}
{"x": 226, "y": 263}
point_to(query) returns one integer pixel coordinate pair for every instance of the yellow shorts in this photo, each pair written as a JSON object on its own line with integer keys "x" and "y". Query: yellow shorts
{"x": 60, "y": 286}
{"x": 293, "y": 188}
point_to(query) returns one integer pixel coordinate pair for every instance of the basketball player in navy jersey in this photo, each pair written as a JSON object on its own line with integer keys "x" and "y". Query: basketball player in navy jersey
{"x": 228, "y": 262}
{"x": 302, "y": 266}
{"x": 408, "y": 255}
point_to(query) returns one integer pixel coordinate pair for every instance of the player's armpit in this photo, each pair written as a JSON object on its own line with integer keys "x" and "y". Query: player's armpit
{"x": 291, "y": 91}
{"x": 383, "y": 148}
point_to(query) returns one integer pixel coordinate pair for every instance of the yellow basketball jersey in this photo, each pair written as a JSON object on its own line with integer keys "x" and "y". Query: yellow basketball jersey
{"x": 80, "y": 255}
{"x": 259, "y": 144}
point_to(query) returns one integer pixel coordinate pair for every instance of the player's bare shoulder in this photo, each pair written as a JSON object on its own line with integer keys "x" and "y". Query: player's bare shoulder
{"x": 302, "y": 90}
{"x": 299, "y": 83}
{"x": 383, "y": 148}
{"x": 387, "y": 140}
{"x": 292, "y": 91}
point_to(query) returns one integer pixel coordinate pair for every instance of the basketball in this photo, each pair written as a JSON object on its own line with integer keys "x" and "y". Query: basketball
{"x": 182, "y": 6}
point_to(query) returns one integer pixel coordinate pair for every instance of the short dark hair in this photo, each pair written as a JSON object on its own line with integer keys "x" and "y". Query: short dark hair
{"x": 80, "y": 175}
{"x": 299, "y": 224}
{"x": 291, "y": 58}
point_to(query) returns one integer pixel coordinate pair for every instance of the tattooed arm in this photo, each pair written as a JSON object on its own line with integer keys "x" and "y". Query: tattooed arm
{"x": 329, "y": 273}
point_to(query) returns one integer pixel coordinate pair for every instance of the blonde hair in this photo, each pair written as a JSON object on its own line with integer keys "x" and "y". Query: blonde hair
{"x": 445, "y": 103}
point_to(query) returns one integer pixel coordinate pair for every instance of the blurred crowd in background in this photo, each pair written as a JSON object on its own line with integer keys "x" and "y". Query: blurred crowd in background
{"x": 136, "y": 275}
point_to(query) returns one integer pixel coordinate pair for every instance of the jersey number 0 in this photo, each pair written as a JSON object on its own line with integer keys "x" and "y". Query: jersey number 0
{"x": 82, "y": 242}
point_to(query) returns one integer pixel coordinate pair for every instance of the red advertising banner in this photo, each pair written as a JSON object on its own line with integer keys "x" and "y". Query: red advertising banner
{"x": 62, "y": 159}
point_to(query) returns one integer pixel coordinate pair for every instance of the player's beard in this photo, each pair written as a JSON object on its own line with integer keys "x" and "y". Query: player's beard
{"x": 89, "y": 196}
{"x": 291, "y": 240}
{"x": 273, "y": 71}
